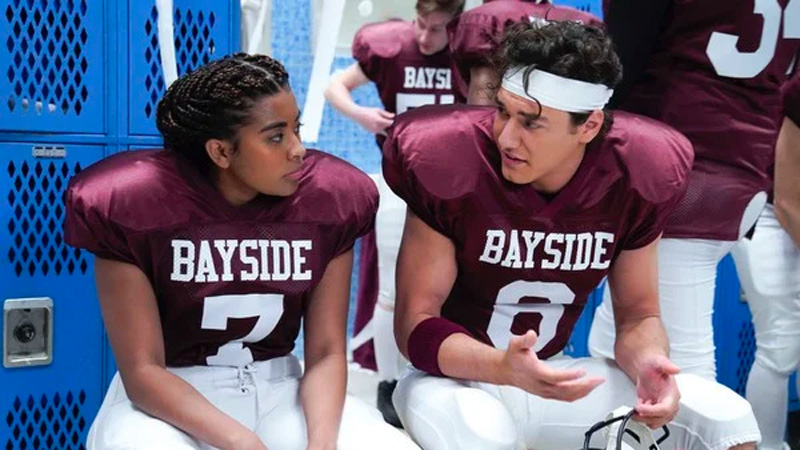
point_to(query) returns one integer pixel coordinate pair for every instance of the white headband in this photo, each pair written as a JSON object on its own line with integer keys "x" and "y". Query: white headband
{"x": 557, "y": 92}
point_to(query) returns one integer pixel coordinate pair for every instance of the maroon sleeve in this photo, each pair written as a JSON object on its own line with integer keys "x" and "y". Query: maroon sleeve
{"x": 791, "y": 99}
{"x": 376, "y": 43}
{"x": 88, "y": 224}
{"x": 658, "y": 161}
{"x": 649, "y": 220}
{"x": 400, "y": 175}
{"x": 421, "y": 146}
{"x": 362, "y": 217}
{"x": 345, "y": 197}
{"x": 362, "y": 53}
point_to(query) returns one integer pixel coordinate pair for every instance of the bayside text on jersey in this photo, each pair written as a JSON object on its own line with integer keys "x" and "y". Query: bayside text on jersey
{"x": 525, "y": 262}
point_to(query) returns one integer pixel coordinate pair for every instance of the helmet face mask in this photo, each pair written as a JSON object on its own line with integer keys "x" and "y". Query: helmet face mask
{"x": 641, "y": 437}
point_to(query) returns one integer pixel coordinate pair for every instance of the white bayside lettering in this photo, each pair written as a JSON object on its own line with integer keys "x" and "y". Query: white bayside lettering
{"x": 560, "y": 251}
{"x": 211, "y": 261}
{"x": 427, "y": 78}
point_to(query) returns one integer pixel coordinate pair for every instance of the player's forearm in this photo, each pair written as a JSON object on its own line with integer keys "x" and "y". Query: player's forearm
{"x": 787, "y": 187}
{"x": 338, "y": 95}
{"x": 788, "y": 212}
{"x": 322, "y": 394}
{"x": 462, "y": 356}
{"x": 459, "y": 355}
{"x": 166, "y": 396}
{"x": 638, "y": 340}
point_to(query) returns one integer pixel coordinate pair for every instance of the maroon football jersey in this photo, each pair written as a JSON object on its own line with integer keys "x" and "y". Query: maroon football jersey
{"x": 475, "y": 34}
{"x": 791, "y": 99}
{"x": 715, "y": 75}
{"x": 389, "y": 56}
{"x": 525, "y": 262}
{"x": 232, "y": 283}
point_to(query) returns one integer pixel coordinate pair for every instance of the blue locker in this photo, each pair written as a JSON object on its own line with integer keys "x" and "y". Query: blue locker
{"x": 203, "y": 31}
{"x": 733, "y": 330}
{"x": 52, "y": 66}
{"x": 578, "y": 345}
{"x": 48, "y": 406}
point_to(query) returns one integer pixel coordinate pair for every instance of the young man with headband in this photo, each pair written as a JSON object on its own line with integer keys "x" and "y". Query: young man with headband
{"x": 519, "y": 212}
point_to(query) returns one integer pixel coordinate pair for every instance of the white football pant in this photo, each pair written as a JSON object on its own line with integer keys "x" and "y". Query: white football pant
{"x": 389, "y": 224}
{"x": 263, "y": 396}
{"x": 449, "y": 414}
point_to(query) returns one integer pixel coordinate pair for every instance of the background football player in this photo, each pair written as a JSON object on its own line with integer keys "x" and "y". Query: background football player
{"x": 410, "y": 64}
{"x": 208, "y": 255}
{"x": 475, "y": 35}
{"x": 713, "y": 70}
{"x": 769, "y": 269}
{"x": 519, "y": 211}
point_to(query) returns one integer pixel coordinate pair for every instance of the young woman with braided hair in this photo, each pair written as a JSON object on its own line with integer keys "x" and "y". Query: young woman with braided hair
{"x": 208, "y": 255}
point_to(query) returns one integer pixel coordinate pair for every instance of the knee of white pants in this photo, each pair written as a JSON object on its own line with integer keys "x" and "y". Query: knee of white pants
{"x": 119, "y": 425}
{"x": 714, "y": 414}
{"x": 123, "y": 427}
{"x": 443, "y": 414}
{"x": 363, "y": 428}
{"x": 782, "y": 359}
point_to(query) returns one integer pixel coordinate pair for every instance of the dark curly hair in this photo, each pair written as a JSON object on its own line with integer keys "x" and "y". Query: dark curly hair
{"x": 453, "y": 7}
{"x": 214, "y": 101}
{"x": 568, "y": 49}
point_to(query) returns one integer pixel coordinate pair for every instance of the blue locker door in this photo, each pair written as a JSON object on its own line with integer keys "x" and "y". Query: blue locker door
{"x": 733, "y": 330}
{"x": 203, "y": 31}
{"x": 48, "y": 406}
{"x": 52, "y": 66}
